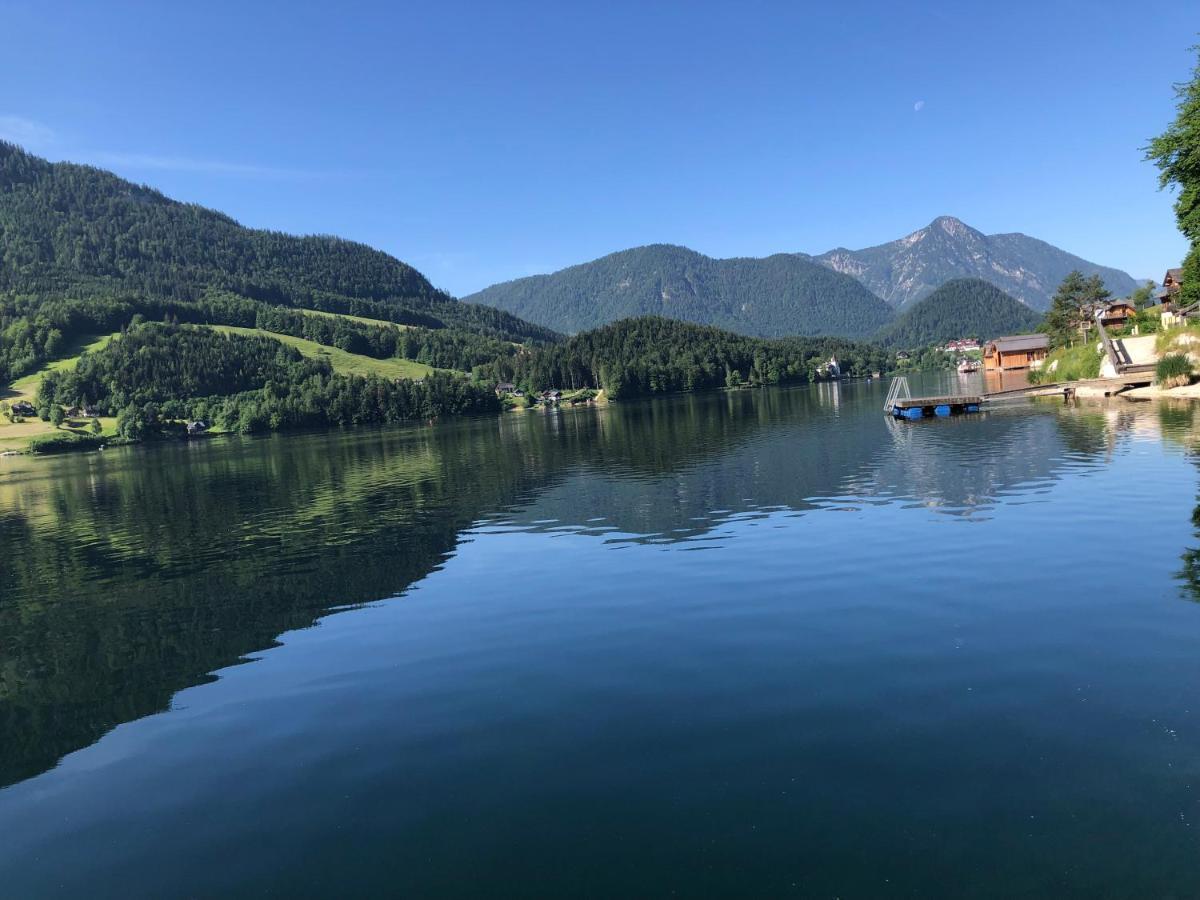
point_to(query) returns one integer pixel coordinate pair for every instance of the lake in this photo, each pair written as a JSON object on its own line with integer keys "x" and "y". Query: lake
{"x": 760, "y": 642}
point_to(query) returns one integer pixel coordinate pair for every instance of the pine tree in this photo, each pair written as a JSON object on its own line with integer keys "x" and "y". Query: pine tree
{"x": 1070, "y": 315}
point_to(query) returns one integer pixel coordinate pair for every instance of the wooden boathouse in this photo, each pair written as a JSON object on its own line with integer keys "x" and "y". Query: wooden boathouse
{"x": 1021, "y": 351}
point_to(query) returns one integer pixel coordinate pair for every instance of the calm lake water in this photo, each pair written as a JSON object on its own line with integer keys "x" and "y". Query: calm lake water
{"x": 759, "y": 643}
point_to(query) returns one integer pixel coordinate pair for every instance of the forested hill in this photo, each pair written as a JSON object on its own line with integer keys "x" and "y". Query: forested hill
{"x": 786, "y": 294}
{"x": 965, "y": 307}
{"x": 652, "y": 355}
{"x": 77, "y": 229}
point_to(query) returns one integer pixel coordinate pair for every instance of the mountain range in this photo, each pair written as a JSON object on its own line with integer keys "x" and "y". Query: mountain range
{"x": 860, "y": 292}
{"x": 78, "y": 230}
{"x": 785, "y": 294}
{"x": 910, "y": 268}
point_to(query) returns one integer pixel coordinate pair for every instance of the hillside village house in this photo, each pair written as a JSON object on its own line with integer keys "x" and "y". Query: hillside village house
{"x": 962, "y": 345}
{"x": 1021, "y": 351}
{"x": 1170, "y": 286}
{"x": 1170, "y": 314}
{"x": 1116, "y": 315}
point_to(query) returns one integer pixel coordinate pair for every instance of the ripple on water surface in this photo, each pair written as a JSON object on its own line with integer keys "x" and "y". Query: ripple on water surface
{"x": 957, "y": 652}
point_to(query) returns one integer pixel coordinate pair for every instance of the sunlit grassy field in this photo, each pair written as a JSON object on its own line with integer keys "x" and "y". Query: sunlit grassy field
{"x": 343, "y": 362}
{"x": 17, "y": 435}
{"x": 363, "y": 319}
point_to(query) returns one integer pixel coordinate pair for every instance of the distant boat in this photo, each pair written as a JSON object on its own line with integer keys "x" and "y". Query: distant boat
{"x": 966, "y": 366}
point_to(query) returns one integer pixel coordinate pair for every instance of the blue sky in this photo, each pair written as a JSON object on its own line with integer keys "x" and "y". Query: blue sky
{"x": 486, "y": 141}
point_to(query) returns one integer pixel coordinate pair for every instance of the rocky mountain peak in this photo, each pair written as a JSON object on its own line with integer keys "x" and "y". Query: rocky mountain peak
{"x": 908, "y": 269}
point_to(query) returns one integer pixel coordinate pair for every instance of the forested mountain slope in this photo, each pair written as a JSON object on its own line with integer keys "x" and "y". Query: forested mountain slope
{"x": 785, "y": 294}
{"x": 77, "y": 229}
{"x": 965, "y": 307}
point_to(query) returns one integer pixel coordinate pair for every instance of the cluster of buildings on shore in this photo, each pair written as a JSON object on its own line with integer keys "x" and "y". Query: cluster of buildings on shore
{"x": 508, "y": 389}
{"x": 1026, "y": 351}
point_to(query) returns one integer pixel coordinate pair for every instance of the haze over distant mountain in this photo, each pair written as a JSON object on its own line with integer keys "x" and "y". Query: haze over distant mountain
{"x": 906, "y": 270}
{"x": 965, "y": 307}
{"x": 785, "y": 294}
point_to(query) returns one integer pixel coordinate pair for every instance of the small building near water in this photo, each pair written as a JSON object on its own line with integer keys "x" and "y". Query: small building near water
{"x": 1021, "y": 351}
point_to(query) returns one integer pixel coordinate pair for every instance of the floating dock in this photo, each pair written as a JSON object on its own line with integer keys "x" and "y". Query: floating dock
{"x": 901, "y": 404}
{"x": 920, "y": 407}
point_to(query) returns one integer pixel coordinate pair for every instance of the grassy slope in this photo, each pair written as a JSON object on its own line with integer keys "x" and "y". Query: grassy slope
{"x": 16, "y": 436}
{"x": 25, "y": 388}
{"x": 361, "y": 319}
{"x": 343, "y": 362}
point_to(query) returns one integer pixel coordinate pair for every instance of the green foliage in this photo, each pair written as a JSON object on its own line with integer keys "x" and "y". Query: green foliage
{"x": 136, "y": 422}
{"x": 1142, "y": 296}
{"x": 1173, "y": 370}
{"x": 1068, "y": 364}
{"x": 65, "y": 227}
{"x": 1189, "y": 291}
{"x": 786, "y": 294}
{"x": 1146, "y": 321}
{"x": 63, "y": 441}
{"x": 155, "y": 363}
{"x": 57, "y": 416}
{"x": 651, "y": 355}
{"x": 156, "y": 374}
{"x": 1176, "y": 152}
{"x": 1069, "y": 318}
{"x": 965, "y": 307}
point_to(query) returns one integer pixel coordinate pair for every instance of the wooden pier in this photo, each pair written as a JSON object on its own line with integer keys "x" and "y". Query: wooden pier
{"x": 902, "y": 405}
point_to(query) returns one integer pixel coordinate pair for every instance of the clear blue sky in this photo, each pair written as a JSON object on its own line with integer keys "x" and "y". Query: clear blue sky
{"x": 485, "y": 141}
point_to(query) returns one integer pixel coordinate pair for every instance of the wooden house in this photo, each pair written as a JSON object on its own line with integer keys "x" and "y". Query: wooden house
{"x": 1117, "y": 315}
{"x": 1021, "y": 351}
{"x": 505, "y": 387}
{"x": 1172, "y": 282}
{"x": 23, "y": 408}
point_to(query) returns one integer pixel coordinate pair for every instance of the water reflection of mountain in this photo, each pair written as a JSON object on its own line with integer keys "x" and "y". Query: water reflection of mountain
{"x": 825, "y": 447}
{"x": 133, "y": 575}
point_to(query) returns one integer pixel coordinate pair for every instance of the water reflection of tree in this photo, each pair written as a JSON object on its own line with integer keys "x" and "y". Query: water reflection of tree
{"x": 131, "y": 576}
{"x": 1189, "y": 575}
{"x": 134, "y": 575}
